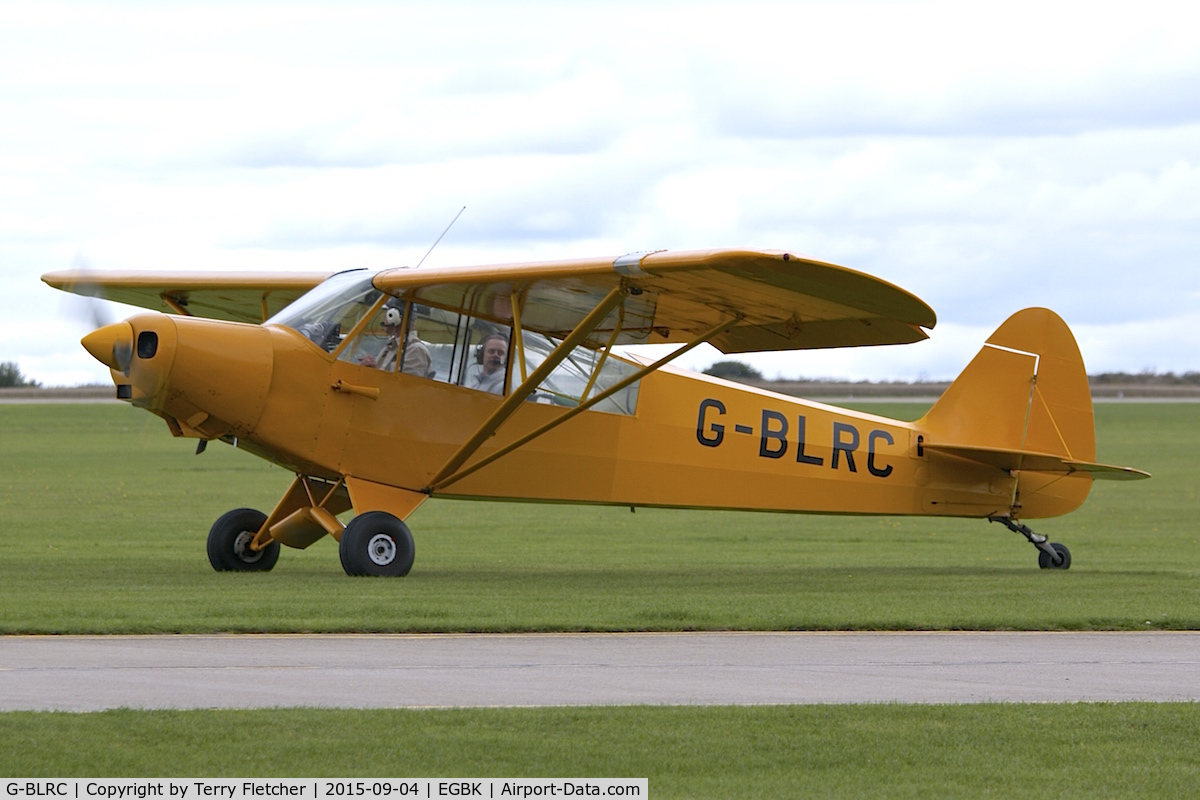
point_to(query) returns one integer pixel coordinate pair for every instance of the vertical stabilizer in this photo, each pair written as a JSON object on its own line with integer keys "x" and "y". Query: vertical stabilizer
{"x": 1026, "y": 390}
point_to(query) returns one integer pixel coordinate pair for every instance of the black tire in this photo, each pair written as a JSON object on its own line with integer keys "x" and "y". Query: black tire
{"x": 376, "y": 543}
{"x": 1044, "y": 558}
{"x": 229, "y": 540}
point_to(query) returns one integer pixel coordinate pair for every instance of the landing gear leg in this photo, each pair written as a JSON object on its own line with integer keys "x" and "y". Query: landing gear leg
{"x": 1051, "y": 555}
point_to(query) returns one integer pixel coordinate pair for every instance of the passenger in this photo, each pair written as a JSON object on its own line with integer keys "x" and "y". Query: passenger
{"x": 494, "y": 354}
{"x": 416, "y": 354}
{"x": 416, "y": 357}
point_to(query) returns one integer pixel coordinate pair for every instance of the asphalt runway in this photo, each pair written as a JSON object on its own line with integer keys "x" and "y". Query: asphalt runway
{"x": 89, "y": 673}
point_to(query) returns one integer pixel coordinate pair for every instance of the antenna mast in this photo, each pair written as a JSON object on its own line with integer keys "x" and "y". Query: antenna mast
{"x": 435, "y": 241}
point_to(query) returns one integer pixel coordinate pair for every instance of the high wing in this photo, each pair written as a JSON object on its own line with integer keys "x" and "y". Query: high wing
{"x": 780, "y": 301}
{"x": 1011, "y": 459}
{"x": 235, "y": 296}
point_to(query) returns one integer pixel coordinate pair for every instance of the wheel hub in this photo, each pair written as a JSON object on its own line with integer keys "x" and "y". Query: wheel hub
{"x": 381, "y": 549}
{"x": 241, "y": 548}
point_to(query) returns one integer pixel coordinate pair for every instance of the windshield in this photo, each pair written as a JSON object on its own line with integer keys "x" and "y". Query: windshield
{"x": 327, "y": 313}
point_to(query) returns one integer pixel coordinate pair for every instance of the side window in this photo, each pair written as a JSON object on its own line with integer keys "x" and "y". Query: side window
{"x": 377, "y": 343}
{"x": 458, "y": 349}
{"x": 583, "y": 374}
{"x": 389, "y": 342}
{"x": 452, "y": 348}
{"x": 441, "y": 332}
{"x": 486, "y": 364}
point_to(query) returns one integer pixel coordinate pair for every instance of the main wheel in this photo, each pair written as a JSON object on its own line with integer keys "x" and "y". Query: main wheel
{"x": 376, "y": 543}
{"x": 229, "y": 543}
{"x": 1044, "y": 558}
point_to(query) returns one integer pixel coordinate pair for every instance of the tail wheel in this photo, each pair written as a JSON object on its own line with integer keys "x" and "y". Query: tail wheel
{"x": 1045, "y": 562}
{"x": 229, "y": 543}
{"x": 377, "y": 543}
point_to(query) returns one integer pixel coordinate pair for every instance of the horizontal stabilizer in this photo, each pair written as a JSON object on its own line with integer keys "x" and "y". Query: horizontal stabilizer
{"x": 1034, "y": 461}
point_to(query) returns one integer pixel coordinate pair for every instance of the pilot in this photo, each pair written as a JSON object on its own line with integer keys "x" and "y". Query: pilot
{"x": 490, "y": 377}
{"x": 416, "y": 354}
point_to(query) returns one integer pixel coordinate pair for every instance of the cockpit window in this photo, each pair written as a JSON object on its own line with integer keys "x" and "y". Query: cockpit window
{"x": 327, "y": 313}
{"x": 450, "y": 347}
{"x": 389, "y": 341}
{"x": 463, "y": 350}
{"x": 582, "y": 374}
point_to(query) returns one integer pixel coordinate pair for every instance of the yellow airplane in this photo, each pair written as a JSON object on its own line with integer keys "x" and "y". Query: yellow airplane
{"x": 382, "y": 389}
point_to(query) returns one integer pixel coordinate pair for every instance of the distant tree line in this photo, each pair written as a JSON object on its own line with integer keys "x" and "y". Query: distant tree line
{"x": 1146, "y": 379}
{"x": 734, "y": 371}
{"x": 10, "y": 376}
{"x": 741, "y": 371}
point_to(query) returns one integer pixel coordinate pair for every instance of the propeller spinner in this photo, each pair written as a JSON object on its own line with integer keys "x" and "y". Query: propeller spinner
{"x": 112, "y": 346}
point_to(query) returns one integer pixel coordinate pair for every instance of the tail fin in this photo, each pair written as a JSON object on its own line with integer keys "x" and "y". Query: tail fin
{"x": 1023, "y": 403}
{"x": 1026, "y": 390}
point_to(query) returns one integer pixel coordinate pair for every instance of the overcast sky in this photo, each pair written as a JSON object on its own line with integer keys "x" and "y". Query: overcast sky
{"x": 986, "y": 157}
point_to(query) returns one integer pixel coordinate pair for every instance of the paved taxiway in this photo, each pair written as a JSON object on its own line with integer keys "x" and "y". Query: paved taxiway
{"x": 83, "y": 673}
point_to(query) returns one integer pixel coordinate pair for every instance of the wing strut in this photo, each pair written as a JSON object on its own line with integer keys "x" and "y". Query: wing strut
{"x": 175, "y": 305}
{"x": 518, "y": 396}
{"x": 716, "y": 330}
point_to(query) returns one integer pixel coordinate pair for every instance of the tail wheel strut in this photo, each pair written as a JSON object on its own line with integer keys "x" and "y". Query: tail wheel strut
{"x": 1051, "y": 555}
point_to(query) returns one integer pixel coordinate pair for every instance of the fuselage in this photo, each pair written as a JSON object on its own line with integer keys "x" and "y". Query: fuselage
{"x": 693, "y": 441}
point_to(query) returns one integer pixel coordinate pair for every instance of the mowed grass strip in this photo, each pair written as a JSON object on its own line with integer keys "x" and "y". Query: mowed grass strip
{"x": 103, "y": 519}
{"x": 1019, "y": 750}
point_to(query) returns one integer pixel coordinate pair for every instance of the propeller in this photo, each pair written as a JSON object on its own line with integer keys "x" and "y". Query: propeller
{"x": 110, "y": 342}
{"x": 87, "y": 300}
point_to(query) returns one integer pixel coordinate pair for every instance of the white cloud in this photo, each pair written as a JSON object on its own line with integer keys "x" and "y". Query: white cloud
{"x": 984, "y": 157}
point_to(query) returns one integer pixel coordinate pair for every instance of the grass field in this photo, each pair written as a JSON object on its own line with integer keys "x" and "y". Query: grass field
{"x": 1028, "y": 751}
{"x": 103, "y": 518}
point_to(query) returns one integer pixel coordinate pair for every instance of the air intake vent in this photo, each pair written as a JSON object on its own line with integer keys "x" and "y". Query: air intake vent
{"x": 147, "y": 344}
